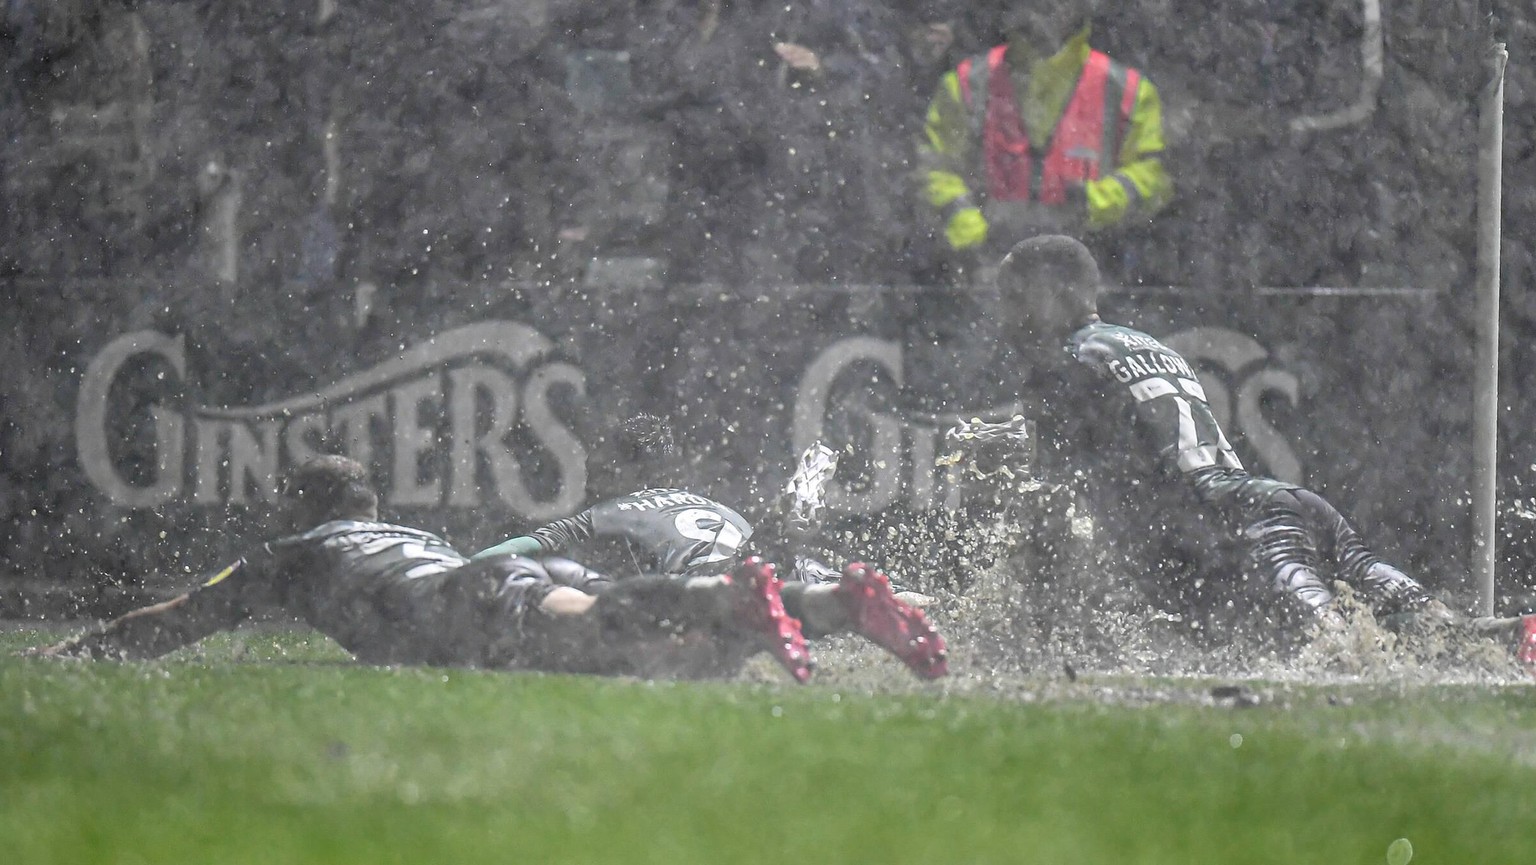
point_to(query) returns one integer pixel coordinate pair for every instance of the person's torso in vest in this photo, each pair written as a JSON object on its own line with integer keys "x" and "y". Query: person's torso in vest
{"x": 1084, "y": 146}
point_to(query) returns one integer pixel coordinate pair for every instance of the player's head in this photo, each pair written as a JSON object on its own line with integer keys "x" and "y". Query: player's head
{"x": 328, "y": 487}
{"x": 1049, "y": 284}
{"x": 645, "y": 437}
{"x": 647, "y": 452}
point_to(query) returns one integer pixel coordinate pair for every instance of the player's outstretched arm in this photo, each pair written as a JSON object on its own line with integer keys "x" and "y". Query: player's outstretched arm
{"x": 148, "y": 632}
{"x": 519, "y": 546}
{"x": 159, "y": 629}
{"x": 560, "y": 535}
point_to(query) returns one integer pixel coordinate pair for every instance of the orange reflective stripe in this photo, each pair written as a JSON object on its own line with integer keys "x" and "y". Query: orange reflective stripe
{"x": 1075, "y": 151}
{"x": 1006, "y": 147}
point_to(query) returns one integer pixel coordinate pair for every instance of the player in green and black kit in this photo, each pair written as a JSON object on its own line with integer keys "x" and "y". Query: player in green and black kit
{"x": 1126, "y": 415}
{"x": 662, "y": 529}
{"x": 392, "y": 594}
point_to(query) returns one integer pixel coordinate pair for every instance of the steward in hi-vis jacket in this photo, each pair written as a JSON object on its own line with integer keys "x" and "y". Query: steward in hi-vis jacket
{"x": 1020, "y": 141}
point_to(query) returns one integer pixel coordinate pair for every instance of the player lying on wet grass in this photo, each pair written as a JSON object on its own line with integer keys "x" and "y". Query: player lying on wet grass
{"x": 682, "y": 534}
{"x": 390, "y": 594}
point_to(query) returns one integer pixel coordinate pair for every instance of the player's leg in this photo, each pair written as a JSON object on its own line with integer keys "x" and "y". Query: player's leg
{"x": 750, "y": 605}
{"x": 1358, "y": 565}
{"x": 573, "y": 631}
{"x": 662, "y": 626}
{"x": 861, "y": 601}
{"x": 1298, "y": 529}
{"x": 1389, "y": 591}
{"x": 1285, "y": 551}
{"x": 539, "y": 624}
{"x": 1301, "y": 537}
{"x": 531, "y": 622}
{"x": 511, "y": 612}
{"x": 569, "y": 572}
{"x": 810, "y": 572}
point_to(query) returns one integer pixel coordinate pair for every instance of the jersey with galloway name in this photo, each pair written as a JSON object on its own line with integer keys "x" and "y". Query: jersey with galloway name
{"x": 1153, "y": 389}
{"x": 674, "y": 532}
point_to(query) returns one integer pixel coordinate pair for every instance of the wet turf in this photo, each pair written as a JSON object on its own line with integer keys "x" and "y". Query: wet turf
{"x": 271, "y": 748}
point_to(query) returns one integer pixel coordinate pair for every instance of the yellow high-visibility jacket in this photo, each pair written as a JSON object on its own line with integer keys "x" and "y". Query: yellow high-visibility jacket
{"x": 954, "y": 166}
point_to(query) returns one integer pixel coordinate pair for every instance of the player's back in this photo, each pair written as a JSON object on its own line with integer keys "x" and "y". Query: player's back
{"x": 681, "y": 533}
{"x": 368, "y": 585}
{"x": 1167, "y": 401}
{"x": 1167, "y": 404}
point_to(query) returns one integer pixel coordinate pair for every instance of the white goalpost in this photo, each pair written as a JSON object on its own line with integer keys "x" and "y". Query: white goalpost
{"x": 1485, "y": 393}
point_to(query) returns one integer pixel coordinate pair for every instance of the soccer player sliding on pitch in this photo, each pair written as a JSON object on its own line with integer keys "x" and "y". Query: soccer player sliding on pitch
{"x": 683, "y": 534}
{"x": 391, "y": 594}
{"x": 1125, "y": 416}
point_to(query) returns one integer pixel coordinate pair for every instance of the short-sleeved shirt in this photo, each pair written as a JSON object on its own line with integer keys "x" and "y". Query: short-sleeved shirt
{"x": 667, "y": 531}
{"x": 1124, "y": 422}
{"x": 386, "y": 593}
{"x": 1151, "y": 387}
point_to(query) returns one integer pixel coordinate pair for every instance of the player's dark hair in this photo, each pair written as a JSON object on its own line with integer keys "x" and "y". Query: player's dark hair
{"x": 330, "y": 487}
{"x": 645, "y": 437}
{"x": 643, "y": 456}
{"x": 1053, "y": 262}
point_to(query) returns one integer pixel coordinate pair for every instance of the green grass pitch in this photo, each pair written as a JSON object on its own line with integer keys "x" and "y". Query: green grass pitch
{"x": 268, "y": 747}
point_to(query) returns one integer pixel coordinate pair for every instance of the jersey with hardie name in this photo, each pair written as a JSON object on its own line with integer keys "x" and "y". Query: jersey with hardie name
{"x": 678, "y": 533}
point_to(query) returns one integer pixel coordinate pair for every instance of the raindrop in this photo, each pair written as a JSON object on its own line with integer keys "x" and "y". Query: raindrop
{"x": 1399, "y": 852}
{"x": 1235, "y": 740}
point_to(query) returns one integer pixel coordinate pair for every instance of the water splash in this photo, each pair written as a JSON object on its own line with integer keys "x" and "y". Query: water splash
{"x": 1016, "y": 634}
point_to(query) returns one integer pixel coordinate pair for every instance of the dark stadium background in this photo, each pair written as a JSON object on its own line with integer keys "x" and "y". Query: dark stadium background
{"x": 300, "y": 190}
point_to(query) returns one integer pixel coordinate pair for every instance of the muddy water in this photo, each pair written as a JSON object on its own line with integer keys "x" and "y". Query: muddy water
{"x": 1078, "y": 629}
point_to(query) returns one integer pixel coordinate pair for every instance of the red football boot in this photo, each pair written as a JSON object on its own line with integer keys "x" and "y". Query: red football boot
{"x": 1527, "y": 650}
{"x": 897, "y": 627}
{"x": 761, "y": 613}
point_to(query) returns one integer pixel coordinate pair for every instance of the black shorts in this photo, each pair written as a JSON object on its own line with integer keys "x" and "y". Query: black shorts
{"x": 520, "y": 585}
{"x": 489, "y": 613}
{"x": 568, "y": 572}
{"x": 455, "y": 617}
{"x": 519, "y": 635}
